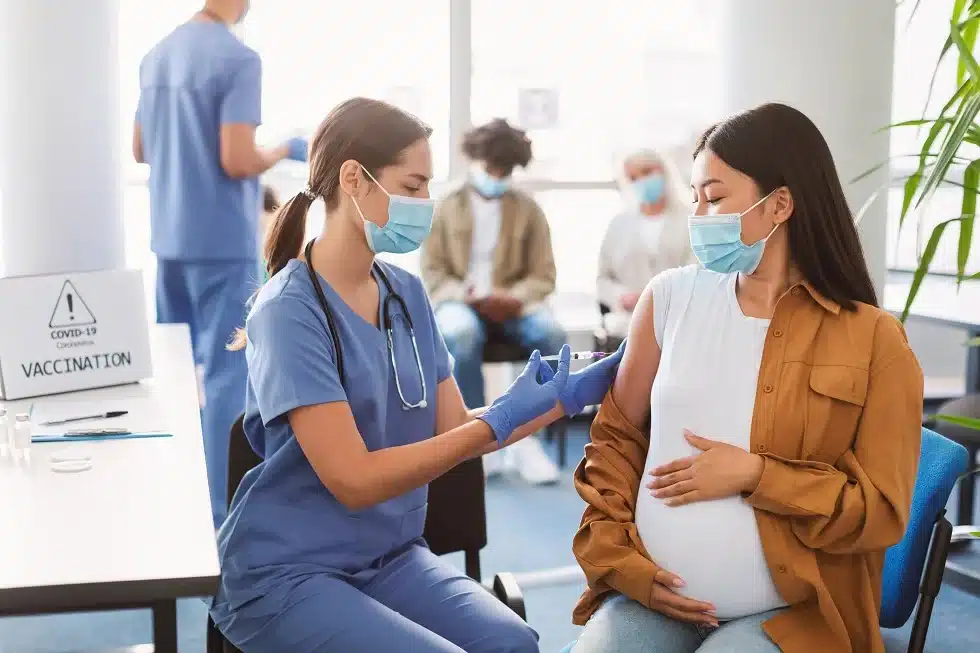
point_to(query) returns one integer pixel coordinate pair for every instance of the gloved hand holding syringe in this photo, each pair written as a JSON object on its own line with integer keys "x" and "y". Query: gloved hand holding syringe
{"x": 581, "y": 356}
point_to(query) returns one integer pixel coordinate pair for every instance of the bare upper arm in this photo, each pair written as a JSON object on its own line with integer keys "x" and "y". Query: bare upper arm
{"x": 138, "y": 144}
{"x": 451, "y": 410}
{"x": 634, "y": 380}
{"x": 237, "y": 144}
{"x": 329, "y": 438}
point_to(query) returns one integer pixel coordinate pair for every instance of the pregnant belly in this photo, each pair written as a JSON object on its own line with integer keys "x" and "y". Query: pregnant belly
{"x": 715, "y": 548}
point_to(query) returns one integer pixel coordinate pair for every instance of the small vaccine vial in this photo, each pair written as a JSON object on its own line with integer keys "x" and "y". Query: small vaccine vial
{"x": 22, "y": 437}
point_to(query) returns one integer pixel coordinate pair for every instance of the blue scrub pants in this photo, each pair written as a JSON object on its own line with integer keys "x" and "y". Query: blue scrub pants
{"x": 211, "y": 297}
{"x": 412, "y": 602}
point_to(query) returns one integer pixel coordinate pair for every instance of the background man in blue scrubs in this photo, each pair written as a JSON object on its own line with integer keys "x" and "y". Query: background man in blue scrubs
{"x": 200, "y": 103}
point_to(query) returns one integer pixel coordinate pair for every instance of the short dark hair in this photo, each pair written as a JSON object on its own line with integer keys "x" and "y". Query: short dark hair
{"x": 499, "y": 145}
{"x": 777, "y": 145}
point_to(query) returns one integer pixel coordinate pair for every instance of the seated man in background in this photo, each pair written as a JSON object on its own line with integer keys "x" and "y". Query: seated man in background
{"x": 488, "y": 267}
{"x": 646, "y": 238}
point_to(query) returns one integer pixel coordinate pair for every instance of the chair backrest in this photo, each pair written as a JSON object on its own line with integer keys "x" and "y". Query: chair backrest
{"x": 941, "y": 462}
{"x": 241, "y": 456}
{"x": 457, "y": 516}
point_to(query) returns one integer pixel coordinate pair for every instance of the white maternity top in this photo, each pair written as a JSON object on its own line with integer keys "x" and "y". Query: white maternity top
{"x": 706, "y": 383}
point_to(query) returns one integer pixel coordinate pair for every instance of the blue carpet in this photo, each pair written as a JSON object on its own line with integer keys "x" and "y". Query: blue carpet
{"x": 530, "y": 528}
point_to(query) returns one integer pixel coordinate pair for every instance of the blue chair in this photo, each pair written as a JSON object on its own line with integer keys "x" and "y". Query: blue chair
{"x": 914, "y": 567}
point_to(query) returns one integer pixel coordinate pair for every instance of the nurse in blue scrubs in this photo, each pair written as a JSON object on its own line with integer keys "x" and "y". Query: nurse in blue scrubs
{"x": 352, "y": 406}
{"x": 200, "y": 102}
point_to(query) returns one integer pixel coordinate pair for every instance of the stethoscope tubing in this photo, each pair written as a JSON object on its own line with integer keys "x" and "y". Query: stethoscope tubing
{"x": 388, "y": 327}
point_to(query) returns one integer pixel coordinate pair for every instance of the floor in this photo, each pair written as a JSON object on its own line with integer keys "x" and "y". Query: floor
{"x": 530, "y": 528}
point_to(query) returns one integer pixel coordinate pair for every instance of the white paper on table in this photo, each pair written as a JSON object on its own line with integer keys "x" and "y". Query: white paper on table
{"x": 142, "y": 416}
{"x": 965, "y": 532}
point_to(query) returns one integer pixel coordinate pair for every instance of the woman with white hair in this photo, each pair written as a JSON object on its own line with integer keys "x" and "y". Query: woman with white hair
{"x": 646, "y": 238}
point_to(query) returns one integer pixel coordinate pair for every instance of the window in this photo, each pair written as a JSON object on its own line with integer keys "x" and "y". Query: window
{"x": 639, "y": 77}
{"x": 621, "y": 82}
{"x": 578, "y": 221}
{"x": 317, "y": 54}
{"x": 903, "y": 249}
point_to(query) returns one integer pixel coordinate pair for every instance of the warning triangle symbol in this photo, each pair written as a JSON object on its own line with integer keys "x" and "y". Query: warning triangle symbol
{"x": 71, "y": 309}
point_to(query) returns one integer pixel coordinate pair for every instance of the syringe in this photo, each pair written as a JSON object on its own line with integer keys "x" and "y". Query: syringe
{"x": 579, "y": 356}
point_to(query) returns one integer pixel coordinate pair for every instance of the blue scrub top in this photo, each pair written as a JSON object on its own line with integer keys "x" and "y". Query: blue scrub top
{"x": 283, "y": 521}
{"x": 195, "y": 80}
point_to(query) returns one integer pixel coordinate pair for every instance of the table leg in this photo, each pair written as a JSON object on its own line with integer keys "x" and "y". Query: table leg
{"x": 165, "y": 627}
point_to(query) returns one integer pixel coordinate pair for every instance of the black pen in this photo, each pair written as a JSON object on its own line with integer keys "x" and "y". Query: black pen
{"x": 107, "y": 415}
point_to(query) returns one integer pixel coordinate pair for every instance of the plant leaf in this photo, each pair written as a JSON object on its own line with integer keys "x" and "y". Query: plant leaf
{"x": 912, "y": 184}
{"x": 971, "y": 178}
{"x": 967, "y": 113}
{"x": 964, "y": 35}
{"x": 969, "y": 35}
{"x": 925, "y": 261}
{"x": 959, "y": 420}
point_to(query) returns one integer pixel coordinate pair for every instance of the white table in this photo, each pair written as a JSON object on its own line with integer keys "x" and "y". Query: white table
{"x": 135, "y": 531}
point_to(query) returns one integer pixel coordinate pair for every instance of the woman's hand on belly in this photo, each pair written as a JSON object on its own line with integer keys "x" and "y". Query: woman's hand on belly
{"x": 720, "y": 470}
{"x": 666, "y": 601}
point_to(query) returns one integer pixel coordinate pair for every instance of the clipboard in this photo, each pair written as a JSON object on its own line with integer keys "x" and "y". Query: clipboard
{"x": 40, "y": 439}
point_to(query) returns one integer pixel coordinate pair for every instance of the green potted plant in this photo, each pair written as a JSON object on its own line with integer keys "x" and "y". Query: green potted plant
{"x": 950, "y": 143}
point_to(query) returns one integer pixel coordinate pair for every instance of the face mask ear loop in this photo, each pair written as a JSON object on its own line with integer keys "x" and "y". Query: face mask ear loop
{"x": 376, "y": 182}
{"x": 751, "y": 208}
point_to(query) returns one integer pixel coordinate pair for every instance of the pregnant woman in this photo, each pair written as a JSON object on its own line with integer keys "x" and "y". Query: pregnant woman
{"x": 757, "y": 454}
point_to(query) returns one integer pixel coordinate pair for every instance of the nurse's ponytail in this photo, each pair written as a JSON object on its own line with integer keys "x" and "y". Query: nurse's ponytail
{"x": 371, "y": 132}
{"x": 285, "y": 237}
{"x": 282, "y": 244}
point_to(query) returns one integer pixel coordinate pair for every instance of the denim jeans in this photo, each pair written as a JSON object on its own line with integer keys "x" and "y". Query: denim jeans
{"x": 465, "y": 333}
{"x": 622, "y": 625}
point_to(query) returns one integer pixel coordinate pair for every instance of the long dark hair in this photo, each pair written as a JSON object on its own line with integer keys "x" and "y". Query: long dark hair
{"x": 777, "y": 145}
{"x": 371, "y": 132}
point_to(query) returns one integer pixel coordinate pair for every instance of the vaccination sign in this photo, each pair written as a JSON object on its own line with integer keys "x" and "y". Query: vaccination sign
{"x": 60, "y": 333}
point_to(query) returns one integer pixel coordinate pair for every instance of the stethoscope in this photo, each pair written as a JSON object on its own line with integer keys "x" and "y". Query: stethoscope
{"x": 390, "y": 296}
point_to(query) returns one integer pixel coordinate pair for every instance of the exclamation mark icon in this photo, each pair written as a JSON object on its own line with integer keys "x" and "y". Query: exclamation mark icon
{"x": 71, "y": 306}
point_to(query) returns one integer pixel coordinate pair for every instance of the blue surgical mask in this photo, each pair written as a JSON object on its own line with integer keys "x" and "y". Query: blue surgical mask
{"x": 409, "y": 222}
{"x": 717, "y": 242}
{"x": 650, "y": 189}
{"x": 487, "y": 185}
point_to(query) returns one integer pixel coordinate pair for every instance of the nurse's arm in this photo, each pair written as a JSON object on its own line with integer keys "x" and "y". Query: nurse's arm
{"x": 241, "y": 158}
{"x": 138, "y": 144}
{"x": 359, "y": 478}
{"x": 451, "y": 413}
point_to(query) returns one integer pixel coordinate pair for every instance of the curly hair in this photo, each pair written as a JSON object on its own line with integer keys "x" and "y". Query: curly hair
{"x": 499, "y": 145}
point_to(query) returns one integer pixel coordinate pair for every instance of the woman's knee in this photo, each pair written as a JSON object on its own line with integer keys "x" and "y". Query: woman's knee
{"x": 622, "y": 625}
